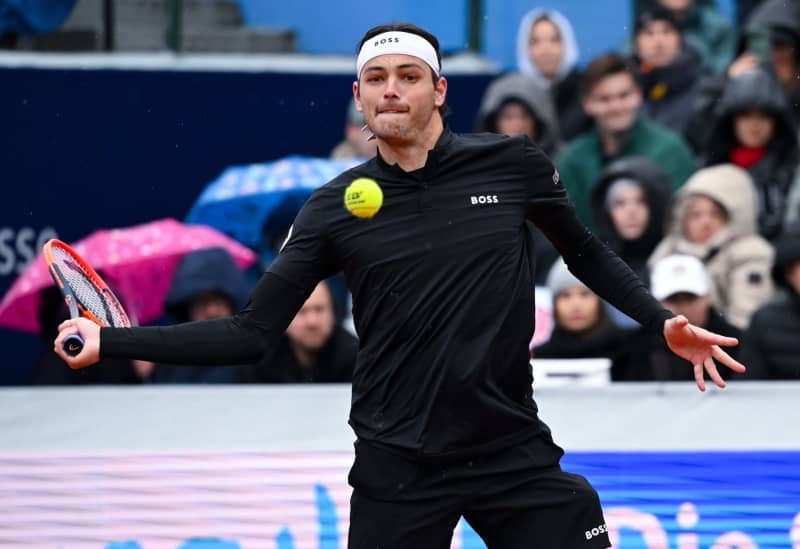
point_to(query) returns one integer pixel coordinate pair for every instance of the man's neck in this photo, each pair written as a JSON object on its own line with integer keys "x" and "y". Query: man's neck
{"x": 412, "y": 155}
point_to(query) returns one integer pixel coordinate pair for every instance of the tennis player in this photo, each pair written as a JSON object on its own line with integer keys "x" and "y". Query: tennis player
{"x": 442, "y": 280}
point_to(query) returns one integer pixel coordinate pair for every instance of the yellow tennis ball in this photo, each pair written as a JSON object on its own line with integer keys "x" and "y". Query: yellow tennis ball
{"x": 363, "y": 197}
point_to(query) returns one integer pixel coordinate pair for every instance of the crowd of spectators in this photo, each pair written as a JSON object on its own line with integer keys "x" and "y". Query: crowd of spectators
{"x": 689, "y": 171}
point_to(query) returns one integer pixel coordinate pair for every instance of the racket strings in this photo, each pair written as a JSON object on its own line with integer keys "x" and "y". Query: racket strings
{"x": 100, "y": 303}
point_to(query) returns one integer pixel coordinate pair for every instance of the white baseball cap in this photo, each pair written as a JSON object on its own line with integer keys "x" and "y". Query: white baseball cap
{"x": 678, "y": 274}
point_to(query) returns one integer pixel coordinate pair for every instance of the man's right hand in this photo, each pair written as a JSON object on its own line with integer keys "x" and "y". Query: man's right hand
{"x": 90, "y": 332}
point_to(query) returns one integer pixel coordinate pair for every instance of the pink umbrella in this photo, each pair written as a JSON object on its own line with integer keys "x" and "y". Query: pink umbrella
{"x": 137, "y": 262}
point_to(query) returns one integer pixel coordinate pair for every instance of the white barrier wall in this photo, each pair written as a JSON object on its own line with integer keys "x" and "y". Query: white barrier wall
{"x": 266, "y": 466}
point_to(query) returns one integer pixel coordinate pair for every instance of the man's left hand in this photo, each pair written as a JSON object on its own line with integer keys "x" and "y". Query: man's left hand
{"x": 700, "y": 347}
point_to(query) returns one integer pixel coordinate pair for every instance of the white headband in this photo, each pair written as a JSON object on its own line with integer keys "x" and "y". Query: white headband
{"x": 397, "y": 42}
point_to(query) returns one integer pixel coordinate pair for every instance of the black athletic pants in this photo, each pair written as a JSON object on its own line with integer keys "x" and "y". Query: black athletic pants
{"x": 518, "y": 498}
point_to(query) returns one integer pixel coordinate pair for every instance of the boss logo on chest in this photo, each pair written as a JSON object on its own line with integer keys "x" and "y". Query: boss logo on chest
{"x": 484, "y": 199}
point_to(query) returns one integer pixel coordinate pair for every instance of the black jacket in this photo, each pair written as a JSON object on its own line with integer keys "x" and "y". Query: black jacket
{"x": 442, "y": 286}
{"x": 334, "y": 364}
{"x": 669, "y": 92}
{"x": 772, "y": 348}
{"x": 603, "y": 340}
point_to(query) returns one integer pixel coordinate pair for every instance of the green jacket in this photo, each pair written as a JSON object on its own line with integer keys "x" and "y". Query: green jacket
{"x": 581, "y": 162}
{"x": 712, "y": 34}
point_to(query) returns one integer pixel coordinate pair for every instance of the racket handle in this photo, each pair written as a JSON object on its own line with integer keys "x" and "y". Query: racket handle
{"x": 73, "y": 344}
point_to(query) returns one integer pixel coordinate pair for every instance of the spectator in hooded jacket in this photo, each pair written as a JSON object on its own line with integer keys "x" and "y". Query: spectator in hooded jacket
{"x": 776, "y": 23}
{"x": 629, "y": 204}
{"x": 315, "y": 348}
{"x": 670, "y": 68}
{"x": 582, "y": 328}
{"x": 515, "y": 104}
{"x": 548, "y": 53}
{"x": 612, "y": 96}
{"x": 755, "y": 131}
{"x": 714, "y": 219}
{"x": 770, "y": 41}
{"x": 207, "y": 284}
{"x": 681, "y": 283}
{"x": 772, "y": 346}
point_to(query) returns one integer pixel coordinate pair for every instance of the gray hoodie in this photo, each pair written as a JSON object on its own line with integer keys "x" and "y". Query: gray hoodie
{"x": 524, "y": 89}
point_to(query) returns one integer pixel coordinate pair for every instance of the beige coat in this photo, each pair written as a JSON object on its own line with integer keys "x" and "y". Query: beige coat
{"x": 737, "y": 259}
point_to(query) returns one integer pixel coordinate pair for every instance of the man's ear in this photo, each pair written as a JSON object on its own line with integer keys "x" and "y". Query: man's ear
{"x": 440, "y": 91}
{"x": 357, "y": 97}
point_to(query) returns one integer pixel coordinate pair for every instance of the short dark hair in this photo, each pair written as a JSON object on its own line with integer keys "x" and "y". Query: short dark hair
{"x": 654, "y": 13}
{"x": 413, "y": 29}
{"x": 604, "y": 66}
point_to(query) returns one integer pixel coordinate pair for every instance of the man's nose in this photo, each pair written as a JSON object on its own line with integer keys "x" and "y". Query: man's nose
{"x": 391, "y": 87}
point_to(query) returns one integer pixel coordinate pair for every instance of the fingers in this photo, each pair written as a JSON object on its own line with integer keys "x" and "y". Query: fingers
{"x": 715, "y": 339}
{"x": 711, "y": 368}
{"x": 698, "y": 377}
{"x": 727, "y": 360}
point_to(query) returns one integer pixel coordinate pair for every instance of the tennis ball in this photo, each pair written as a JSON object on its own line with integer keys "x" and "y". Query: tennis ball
{"x": 363, "y": 198}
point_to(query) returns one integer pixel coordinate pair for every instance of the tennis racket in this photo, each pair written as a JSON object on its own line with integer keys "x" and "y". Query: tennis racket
{"x": 84, "y": 291}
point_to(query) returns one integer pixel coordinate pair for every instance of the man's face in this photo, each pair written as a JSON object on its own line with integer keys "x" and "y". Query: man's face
{"x": 694, "y": 307}
{"x": 514, "y": 119}
{"x": 398, "y": 97}
{"x": 658, "y": 43}
{"x": 754, "y": 129}
{"x": 545, "y": 48}
{"x": 613, "y": 102}
{"x": 314, "y": 323}
{"x": 629, "y": 212}
{"x": 703, "y": 219}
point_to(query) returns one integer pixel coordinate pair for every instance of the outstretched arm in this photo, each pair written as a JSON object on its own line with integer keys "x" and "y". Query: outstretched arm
{"x": 304, "y": 260}
{"x": 239, "y": 339}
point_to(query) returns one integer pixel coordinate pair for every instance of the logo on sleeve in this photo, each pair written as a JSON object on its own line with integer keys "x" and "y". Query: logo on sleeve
{"x": 288, "y": 236}
{"x": 602, "y": 529}
{"x": 556, "y": 177}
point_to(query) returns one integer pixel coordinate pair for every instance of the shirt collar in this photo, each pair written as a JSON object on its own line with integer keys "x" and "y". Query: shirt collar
{"x": 445, "y": 139}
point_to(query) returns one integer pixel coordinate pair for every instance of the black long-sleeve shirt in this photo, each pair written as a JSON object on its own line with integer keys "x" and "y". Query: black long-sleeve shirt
{"x": 442, "y": 284}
